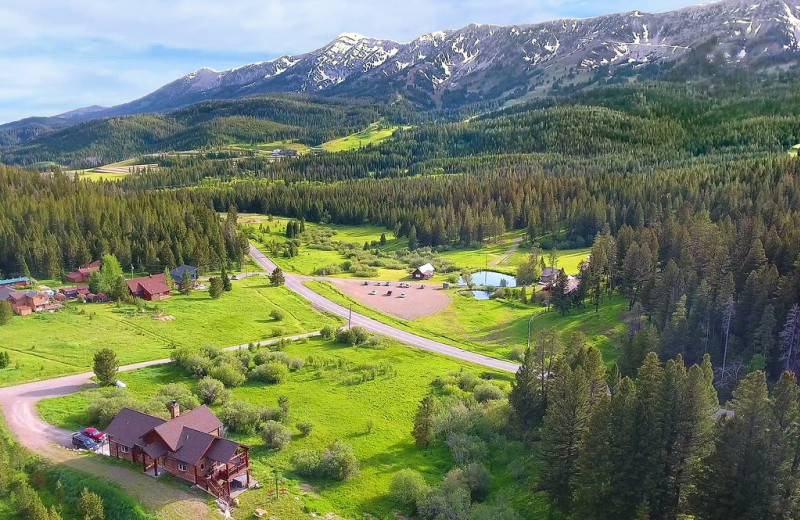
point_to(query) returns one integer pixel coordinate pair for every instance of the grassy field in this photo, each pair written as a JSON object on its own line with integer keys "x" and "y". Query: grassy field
{"x": 373, "y": 134}
{"x": 48, "y": 345}
{"x": 340, "y": 409}
{"x": 289, "y": 144}
{"x": 495, "y": 327}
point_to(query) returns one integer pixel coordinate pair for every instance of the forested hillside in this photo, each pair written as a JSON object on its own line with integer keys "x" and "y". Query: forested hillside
{"x": 49, "y": 225}
{"x": 207, "y": 124}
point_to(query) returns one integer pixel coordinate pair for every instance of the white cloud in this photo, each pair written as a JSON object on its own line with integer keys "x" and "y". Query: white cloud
{"x": 57, "y": 55}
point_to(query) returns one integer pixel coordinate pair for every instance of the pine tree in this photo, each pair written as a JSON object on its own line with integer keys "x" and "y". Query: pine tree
{"x": 563, "y": 434}
{"x": 187, "y": 283}
{"x": 738, "y": 479}
{"x": 412, "y": 238}
{"x": 383, "y": 239}
{"x": 168, "y": 279}
{"x": 786, "y": 397}
{"x": 790, "y": 341}
{"x": 215, "y": 287}
{"x": 277, "y": 277}
{"x": 6, "y": 312}
{"x": 525, "y": 397}
{"x": 106, "y": 366}
{"x": 226, "y": 281}
{"x": 423, "y": 431}
{"x": 90, "y": 506}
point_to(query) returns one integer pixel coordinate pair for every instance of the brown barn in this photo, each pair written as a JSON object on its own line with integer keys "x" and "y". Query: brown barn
{"x": 189, "y": 446}
{"x": 424, "y": 272}
{"x": 153, "y": 287}
{"x": 83, "y": 273}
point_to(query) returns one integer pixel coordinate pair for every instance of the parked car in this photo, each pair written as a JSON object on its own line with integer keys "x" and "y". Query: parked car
{"x": 373, "y": 292}
{"x": 93, "y": 433}
{"x": 365, "y": 283}
{"x": 422, "y": 286}
{"x": 82, "y": 442}
{"x": 388, "y": 293}
{"x": 402, "y": 295}
{"x": 387, "y": 284}
{"x": 378, "y": 283}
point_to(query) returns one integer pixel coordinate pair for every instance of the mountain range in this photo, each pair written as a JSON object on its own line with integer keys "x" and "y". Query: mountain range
{"x": 487, "y": 63}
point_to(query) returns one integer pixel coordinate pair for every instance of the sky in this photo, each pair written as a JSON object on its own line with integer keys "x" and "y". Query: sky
{"x": 60, "y": 55}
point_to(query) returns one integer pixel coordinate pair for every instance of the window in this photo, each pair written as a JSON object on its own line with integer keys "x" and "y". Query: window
{"x": 202, "y": 465}
{"x": 124, "y": 449}
{"x": 182, "y": 467}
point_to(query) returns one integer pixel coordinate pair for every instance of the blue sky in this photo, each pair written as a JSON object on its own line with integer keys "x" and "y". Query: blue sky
{"x": 57, "y": 56}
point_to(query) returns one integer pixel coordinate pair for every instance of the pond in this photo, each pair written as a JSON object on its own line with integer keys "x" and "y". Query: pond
{"x": 490, "y": 278}
{"x": 480, "y": 295}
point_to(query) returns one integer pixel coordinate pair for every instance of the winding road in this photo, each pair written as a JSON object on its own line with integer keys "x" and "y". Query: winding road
{"x": 295, "y": 283}
{"x": 169, "y": 501}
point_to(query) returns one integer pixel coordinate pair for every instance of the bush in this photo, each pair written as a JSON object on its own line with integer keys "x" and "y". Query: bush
{"x": 266, "y": 357}
{"x": 276, "y": 436}
{"x": 273, "y": 372}
{"x": 231, "y": 376}
{"x": 107, "y": 404}
{"x": 467, "y": 381}
{"x": 305, "y": 428}
{"x": 328, "y": 332}
{"x": 210, "y": 390}
{"x": 240, "y": 416}
{"x": 466, "y": 448}
{"x": 277, "y": 315}
{"x": 180, "y": 393}
{"x": 296, "y": 364}
{"x": 408, "y": 487}
{"x": 352, "y": 336}
{"x": 487, "y": 392}
{"x": 338, "y": 462}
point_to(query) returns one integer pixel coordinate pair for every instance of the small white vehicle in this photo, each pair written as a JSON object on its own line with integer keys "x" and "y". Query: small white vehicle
{"x": 402, "y": 295}
{"x": 373, "y": 292}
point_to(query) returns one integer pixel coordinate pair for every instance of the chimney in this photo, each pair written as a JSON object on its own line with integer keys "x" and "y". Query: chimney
{"x": 174, "y": 409}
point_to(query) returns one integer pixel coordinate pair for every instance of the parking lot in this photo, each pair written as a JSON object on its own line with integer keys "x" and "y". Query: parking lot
{"x": 416, "y": 303}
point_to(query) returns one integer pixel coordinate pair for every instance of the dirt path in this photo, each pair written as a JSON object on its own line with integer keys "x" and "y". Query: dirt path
{"x": 168, "y": 501}
{"x": 511, "y": 250}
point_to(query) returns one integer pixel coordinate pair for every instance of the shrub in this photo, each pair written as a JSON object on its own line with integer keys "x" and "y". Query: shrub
{"x": 466, "y": 448}
{"x": 107, "y": 404}
{"x": 273, "y": 372}
{"x": 276, "y": 436}
{"x": 230, "y": 375}
{"x": 467, "y": 381}
{"x": 478, "y": 480}
{"x": 408, "y": 487}
{"x": 277, "y": 315}
{"x": 180, "y": 393}
{"x": 240, "y": 416}
{"x": 487, "y": 392}
{"x": 210, "y": 390}
{"x": 305, "y": 428}
{"x": 352, "y": 336}
{"x": 266, "y": 357}
{"x": 328, "y": 332}
{"x": 296, "y": 364}
{"x": 338, "y": 462}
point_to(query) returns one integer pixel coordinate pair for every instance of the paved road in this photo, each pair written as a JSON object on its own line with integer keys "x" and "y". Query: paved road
{"x": 295, "y": 283}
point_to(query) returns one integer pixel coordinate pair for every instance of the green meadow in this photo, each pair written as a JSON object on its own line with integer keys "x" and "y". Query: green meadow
{"x": 374, "y": 416}
{"x": 47, "y": 345}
